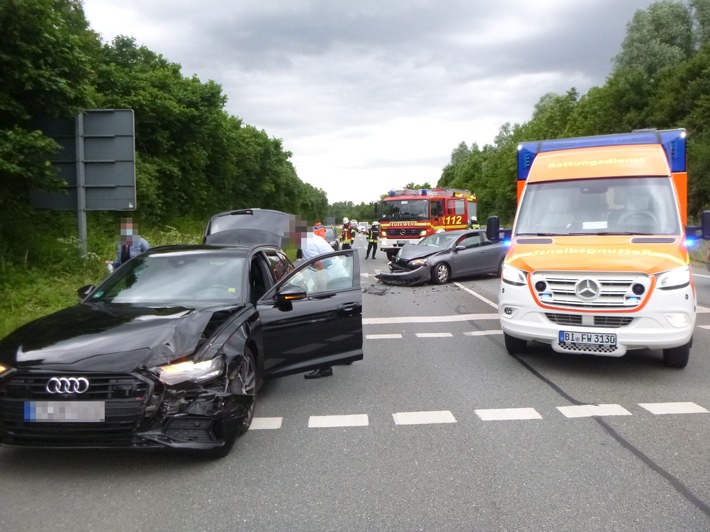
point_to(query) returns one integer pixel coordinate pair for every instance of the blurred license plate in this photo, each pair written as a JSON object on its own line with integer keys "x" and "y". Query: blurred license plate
{"x": 65, "y": 411}
{"x": 588, "y": 338}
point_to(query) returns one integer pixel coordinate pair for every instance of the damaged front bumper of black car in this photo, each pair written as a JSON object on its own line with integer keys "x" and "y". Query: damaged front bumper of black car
{"x": 131, "y": 410}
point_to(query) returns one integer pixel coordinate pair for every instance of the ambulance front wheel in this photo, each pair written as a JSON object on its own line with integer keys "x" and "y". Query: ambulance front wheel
{"x": 514, "y": 345}
{"x": 677, "y": 357}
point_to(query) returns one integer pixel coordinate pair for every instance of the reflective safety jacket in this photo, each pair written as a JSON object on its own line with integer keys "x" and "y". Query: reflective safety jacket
{"x": 372, "y": 235}
{"x": 348, "y": 235}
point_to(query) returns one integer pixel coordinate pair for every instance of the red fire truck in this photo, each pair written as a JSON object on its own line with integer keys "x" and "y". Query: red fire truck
{"x": 406, "y": 216}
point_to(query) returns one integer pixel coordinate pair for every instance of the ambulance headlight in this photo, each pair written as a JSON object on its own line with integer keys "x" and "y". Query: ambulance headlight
{"x": 678, "y": 278}
{"x": 512, "y": 275}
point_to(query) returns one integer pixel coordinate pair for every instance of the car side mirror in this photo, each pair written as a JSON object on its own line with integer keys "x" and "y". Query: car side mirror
{"x": 84, "y": 291}
{"x": 459, "y": 247}
{"x": 289, "y": 293}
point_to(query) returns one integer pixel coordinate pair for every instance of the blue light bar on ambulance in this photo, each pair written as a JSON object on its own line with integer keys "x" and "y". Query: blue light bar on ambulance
{"x": 672, "y": 140}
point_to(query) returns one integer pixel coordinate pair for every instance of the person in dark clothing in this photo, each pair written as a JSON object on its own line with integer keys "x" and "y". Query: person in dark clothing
{"x": 372, "y": 236}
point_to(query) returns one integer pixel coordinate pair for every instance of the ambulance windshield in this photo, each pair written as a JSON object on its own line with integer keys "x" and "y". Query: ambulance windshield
{"x": 634, "y": 206}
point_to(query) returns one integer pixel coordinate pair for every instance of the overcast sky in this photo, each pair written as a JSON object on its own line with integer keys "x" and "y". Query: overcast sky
{"x": 369, "y": 95}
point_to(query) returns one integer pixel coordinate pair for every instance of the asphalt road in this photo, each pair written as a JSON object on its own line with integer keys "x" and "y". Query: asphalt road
{"x": 437, "y": 429}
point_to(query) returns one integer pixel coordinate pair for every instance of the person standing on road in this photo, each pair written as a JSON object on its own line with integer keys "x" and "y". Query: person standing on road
{"x": 348, "y": 235}
{"x": 312, "y": 246}
{"x": 473, "y": 224}
{"x": 130, "y": 244}
{"x": 372, "y": 235}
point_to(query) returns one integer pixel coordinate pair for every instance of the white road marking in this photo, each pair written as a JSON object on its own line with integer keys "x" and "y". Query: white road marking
{"x": 674, "y": 408}
{"x": 382, "y": 336}
{"x": 483, "y": 333}
{"x": 434, "y": 335}
{"x": 593, "y": 410}
{"x": 507, "y": 414}
{"x": 428, "y": 319}
{"x": 423, "y": 418}
{"x": 266, "y": 423}
{"x": 703, "y": 310}
{"x": 475, "y": 294}
{"x": 354, "y": 420}
{"x": 704, "y": 326}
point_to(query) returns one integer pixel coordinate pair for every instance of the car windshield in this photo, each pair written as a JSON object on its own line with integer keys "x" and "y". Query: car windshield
{"x": 438, "y": 240}
{"x": 192, "y": 278}
{"x": 638, "y": 205}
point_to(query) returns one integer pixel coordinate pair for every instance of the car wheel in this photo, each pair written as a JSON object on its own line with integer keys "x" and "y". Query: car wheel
{"x": 440, "y": 273}
{"x": 243, "y": 382}
{"x": 677, "y": 357}
{"x": 514, "y": 345}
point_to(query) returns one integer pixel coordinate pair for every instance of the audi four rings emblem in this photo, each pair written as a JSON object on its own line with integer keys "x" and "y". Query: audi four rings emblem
{"x": 67, "y": 385}
{"x": 588, "y": 289}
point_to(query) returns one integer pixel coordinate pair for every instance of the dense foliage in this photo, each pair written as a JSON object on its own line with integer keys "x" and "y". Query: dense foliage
{"x": 660, "y": 79}
{"x": 192, "y": 158}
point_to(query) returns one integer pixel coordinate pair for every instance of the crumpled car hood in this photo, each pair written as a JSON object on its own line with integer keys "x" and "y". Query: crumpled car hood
{"x": 99, "y": 337}
{"x": 414, "y": 251}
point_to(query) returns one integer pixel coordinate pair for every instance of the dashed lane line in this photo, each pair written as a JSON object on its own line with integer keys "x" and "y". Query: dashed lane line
{"x": 507, "y": 414}
{"x": 266, "y": 423}
{"x": 355, "y": 420}
{"x": 434, "y": 335}
{"x": 486, "y": 414}
{"x": 423, "y": 418}
{"x": 593, "y": 410}
{"x": 393, "y": 336}
{"x": 483, "y": 333}
{"x": 673, "y": 408}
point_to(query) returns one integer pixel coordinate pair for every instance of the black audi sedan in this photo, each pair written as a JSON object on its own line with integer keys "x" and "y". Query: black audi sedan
{"x": 172, "y": 348}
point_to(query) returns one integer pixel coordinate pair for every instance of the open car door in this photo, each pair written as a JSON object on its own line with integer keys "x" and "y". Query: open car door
{"x": 312, "y": 318}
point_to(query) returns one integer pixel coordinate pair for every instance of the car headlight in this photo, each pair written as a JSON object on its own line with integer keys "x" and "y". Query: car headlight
{"x": 419, "y": 262}
{"x": 678, "y": 278}
{"x": 422, "y": 232}
{"x": 191, "y": 371}
{"x": 512, "y": 275}
{"x": 4, "y": 370}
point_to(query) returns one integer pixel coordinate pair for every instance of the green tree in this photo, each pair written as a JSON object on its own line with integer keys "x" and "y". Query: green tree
{"x": 47, "y": 53}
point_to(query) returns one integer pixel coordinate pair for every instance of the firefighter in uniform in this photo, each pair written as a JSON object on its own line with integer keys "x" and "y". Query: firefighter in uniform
{"x": 473, "y": 224}
{"x": 348, "y": 235}
{"x": 372, "y": 235}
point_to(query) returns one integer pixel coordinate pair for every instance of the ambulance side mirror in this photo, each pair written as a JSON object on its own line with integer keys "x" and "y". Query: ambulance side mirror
{"x": 706, "y": 225}
{"x": 493, "y": 228}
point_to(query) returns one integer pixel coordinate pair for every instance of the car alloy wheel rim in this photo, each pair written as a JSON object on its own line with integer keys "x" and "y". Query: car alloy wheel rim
{"x": 442, "y": 272}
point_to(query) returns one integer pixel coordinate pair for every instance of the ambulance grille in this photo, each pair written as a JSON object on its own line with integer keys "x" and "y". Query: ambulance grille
{"x": 612, "y": 322}
{"x": 614, "y": 289}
